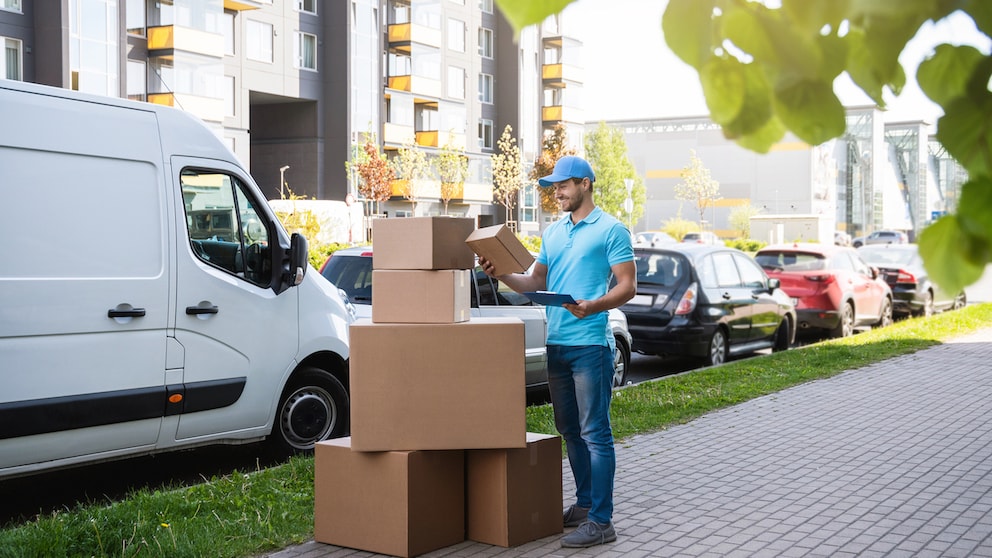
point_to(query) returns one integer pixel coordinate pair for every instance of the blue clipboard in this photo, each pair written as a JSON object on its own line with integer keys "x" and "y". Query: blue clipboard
{"x": 549, "y": 298}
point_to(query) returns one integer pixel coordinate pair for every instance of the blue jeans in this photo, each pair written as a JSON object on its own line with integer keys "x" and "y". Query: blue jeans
{"x": 580, "y": 380}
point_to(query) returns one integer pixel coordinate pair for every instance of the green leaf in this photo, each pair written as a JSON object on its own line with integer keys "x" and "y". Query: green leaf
{"x": 744, "y": 28}
{"x": 941, "y": 247}
{"x": 981, "y": 12}
{"x": 762, "y": 139}
{"x": 860, "y": 66}
{"x": 833, "y": 51}
{"x": 812, "y": 15}
{"x": 521, "y": 13}
{"x": 687, "y": 26}
{"x": 811, "y": 110}
{"x": 966, "y": 132}
{"x": 944, "y": 75}
{"x": 723, "y": 84}
{"x": 974, "y": 211}
{"x": 757, "y": 108}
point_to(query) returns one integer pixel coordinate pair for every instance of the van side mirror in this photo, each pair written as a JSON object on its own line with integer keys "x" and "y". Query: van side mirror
{"x": 298, "y": 258}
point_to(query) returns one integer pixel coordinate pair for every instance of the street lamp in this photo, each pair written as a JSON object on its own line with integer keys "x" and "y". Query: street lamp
{"x": 282, "y": 180}
{"x": 628, "y": 204}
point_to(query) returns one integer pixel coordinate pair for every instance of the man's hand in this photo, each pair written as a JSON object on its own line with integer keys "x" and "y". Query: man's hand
{"x": 580, "y": 309}
{"x": 487, "y": 267}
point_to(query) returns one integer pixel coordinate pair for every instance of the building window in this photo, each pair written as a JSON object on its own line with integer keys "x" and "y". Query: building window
{"x": 10, "y": 65}
{"x": 258, "y": 38}
{"x": 486, "y": 88}
{"x": 229, "y": 94}
{"x": 135, "y": 17}
{"x": 486, "y": 134}
{"x": 486, "y": 6}
{"x": 529, "y": 203}
{"x": 137, "y": 81}
{"x": 456, "y": 35}
{"x": 485, "y": 42}
{"x": 305, "y": 51}
{"x": 11, "y": 5}
{"x": 228, "y": 30}
{"x": 306, "y": 6}
{"x": 456, "y": 82}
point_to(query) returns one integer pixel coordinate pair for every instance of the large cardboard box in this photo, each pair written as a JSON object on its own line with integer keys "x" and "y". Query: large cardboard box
{"x": 422, "y": 243}
{"x": 514, "y": 495}
{"x": 402, "y": 503}
{"x": 438, "y": 386}
{"x": 416, "y": 296}
{"x": 500, "y": 246}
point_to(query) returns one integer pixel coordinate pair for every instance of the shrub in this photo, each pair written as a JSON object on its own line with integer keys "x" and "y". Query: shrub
{"x": 319, "y": 254}
{"x": 746, "y": 244}
{"x": 533, "y": 243}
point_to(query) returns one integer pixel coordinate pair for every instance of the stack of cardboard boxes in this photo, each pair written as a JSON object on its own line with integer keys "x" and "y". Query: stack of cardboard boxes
{"x": 439, "y": 450}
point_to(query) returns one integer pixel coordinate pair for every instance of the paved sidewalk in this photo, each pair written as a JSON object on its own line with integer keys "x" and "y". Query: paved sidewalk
{"x": 894, "y": 459}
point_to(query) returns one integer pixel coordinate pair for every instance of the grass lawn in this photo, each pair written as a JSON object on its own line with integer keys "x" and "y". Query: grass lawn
{"x": 249, "y": 514}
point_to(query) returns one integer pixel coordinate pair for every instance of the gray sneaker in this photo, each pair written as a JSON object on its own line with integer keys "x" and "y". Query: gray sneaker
{"x": 574, "y": 516}
{"x": 589, "y": 534}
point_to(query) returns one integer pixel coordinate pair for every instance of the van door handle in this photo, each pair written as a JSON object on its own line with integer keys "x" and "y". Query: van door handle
{"x": 197, "y": 310}
{"x": 132, "y": 313}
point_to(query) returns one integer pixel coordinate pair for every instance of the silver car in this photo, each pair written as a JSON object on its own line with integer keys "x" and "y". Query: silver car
{"x": 350, "y": 269}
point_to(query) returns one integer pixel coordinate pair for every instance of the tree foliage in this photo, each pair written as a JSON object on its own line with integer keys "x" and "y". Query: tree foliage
{"x": 767, "y": 70}
{"x": 452, "y": 168}
{"x": 740, "y": 219}
{"x": 606, "y": 151}
{"x": 373, "y": 170}
{"x": 555, "y": 146}
{"x": 508, "y": 172}
{"x": 413, "y": 169}
{"x": 697, "y": 186}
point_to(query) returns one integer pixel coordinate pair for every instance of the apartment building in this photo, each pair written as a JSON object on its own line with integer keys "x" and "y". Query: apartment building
{"x": 293, "y": 85}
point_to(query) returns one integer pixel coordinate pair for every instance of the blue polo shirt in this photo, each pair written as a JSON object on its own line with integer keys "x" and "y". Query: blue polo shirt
{"x": 579, "y": 258}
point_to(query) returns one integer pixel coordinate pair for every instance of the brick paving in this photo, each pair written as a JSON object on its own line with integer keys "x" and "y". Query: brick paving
{"x": 894, "y": 459}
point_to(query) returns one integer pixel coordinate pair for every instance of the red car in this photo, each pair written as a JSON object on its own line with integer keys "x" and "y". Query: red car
{"x": 834, "y": 290}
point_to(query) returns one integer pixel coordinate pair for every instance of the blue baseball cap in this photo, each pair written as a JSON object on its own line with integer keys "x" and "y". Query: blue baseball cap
{"x": 567, "y": 167}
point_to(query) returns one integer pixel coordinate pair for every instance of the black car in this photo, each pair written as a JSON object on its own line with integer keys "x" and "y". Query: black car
{"x": 913, "y": 294}
{"x": 706, "y": 301}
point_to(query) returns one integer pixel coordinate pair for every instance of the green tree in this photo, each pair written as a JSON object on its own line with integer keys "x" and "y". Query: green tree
{"x": 740, "y": 219}
{"x": 554, "y": 147}
{"x": 767, "y": 70}
{"x": 508, "y": 172}
{"x": 413, "y": 169}
{"x": 452, "y": 168}
{"x": 606, "y": 151}
{"x": 697, "y": 186}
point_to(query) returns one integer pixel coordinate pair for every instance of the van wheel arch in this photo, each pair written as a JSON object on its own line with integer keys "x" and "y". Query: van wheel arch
{"x": 314, "y": 406}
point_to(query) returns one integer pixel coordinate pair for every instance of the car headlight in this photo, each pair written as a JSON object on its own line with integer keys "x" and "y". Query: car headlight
{"x": 347, "y": 304}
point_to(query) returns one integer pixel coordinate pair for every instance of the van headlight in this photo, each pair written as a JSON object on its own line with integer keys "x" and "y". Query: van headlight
{"x": 347, "y": 304}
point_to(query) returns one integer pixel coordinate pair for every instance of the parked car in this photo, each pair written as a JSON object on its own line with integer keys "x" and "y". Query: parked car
{"x": 834, "y": 290}
{"x": 841, "y": 238}
{"x": 653, "y": 238}
{"x": 912, "y": 291}
{"x": 881, "y": 237}
{"x": 708, "y": 302}
{"x": 350, "y": 269}
{"x": 702, "y": 237}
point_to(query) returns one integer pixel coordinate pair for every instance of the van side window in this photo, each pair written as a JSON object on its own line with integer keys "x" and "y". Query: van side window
{"x": 225, "y": 229}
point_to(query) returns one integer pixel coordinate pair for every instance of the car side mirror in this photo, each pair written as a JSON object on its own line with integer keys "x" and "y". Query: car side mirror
{"x": 774, "y": 283}
{"x": 874, "y": 272}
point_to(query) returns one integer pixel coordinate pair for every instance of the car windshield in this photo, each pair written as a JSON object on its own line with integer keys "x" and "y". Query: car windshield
{"x": 662, "y": 269}
{"x": 786, "y": 260}
{"x": 353, "y": 275}
{"x": 885, "y": 256}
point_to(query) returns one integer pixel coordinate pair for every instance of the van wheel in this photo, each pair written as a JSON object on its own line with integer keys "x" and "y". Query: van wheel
{"x": 621, "y": 362}
{"x": 314, "y": 406}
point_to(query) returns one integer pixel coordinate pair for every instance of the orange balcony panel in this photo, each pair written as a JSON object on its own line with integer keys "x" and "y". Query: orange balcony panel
{"x": 399, "y": 33}
{"x": 400, "y": 83}
{"x": 397, "y": 188}
{"x": 241, "y": 5}
{"x": 161, "y": 37}
{"x": 551, "y": 71}
{"x": 551, "y": 114}
{"x": 167, "y": 99}
{"x": 427, "y": 139}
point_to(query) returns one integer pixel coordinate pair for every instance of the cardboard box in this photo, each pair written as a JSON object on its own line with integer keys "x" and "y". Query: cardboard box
{"x": 514, "y": 496}
{"x": 400, "y": 503}
{"x": 416, "y": 296}
{"x": 500, "y": 246}
{"x": 422, "y": 243}
{"x": 438, "y": 386}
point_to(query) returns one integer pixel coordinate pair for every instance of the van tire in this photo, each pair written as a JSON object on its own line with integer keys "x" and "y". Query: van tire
{"x": 313, "y": 407}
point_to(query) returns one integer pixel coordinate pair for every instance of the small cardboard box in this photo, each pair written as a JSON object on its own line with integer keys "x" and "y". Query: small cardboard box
{"x": 514, "y": 496}
{"x": 500, "y": 246}
{"x": 422, "y": 243}
{"x": 403, "y": 503}
{"x": 415, "y": 296}
{"x": 438, "y": 386}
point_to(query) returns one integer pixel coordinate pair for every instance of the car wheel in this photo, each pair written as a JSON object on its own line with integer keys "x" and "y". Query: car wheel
{"x": 885, "y": 319}
{"x": 314, "y": 406}
{"x": 621, "y": 363}
{"x": 845, "y": 328}
{"x": 926, "y": 310}
{"x": 718, "y": 349}
{"x": 960, "y": 301}
{"x": 782, "y": 336}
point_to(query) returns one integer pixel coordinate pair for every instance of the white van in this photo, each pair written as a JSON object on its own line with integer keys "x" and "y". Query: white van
{"x": 149, "y": 298}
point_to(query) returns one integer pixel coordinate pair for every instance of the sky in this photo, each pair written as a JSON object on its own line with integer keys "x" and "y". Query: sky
{"x": 631, "y": 73}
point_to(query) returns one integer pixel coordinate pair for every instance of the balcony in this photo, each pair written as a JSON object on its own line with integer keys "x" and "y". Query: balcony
{"x": 241, "y": 5}
{"x": 431, "y": 190}
{"x": 204, "y": 107}
{"x": 433, "y": 138}
{"x": 558, "y": 74}
{"x": 168, "y": 38}
{"x": 416, "y": 84}
{"x": 560, "y": 113}
{"x": 396, "y": 133}
{"x": 401, "y": 35}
